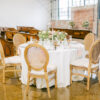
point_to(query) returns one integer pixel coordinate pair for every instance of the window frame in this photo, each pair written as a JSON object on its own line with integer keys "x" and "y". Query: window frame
{"x": 68, "y": 11}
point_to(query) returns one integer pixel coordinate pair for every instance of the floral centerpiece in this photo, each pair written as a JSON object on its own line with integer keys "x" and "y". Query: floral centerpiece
{"x": 55, "y": 35}
{"x": 62, "y": 36}
{"x": 52, "y": 35}
{"x": 43, "y": 35}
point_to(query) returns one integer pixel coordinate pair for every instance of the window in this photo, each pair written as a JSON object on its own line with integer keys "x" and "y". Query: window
{"x": 64, "y": 7}
{"x": 78, "y": 3}
{"x": 90, "y": 2}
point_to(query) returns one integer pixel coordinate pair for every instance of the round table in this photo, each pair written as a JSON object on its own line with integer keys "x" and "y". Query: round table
{"x": 61, "y": 58}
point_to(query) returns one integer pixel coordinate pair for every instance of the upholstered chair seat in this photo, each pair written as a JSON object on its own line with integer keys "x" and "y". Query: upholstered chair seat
{"x": 12, "y": 60}
{"x": 49, "y": 69}
{"x": 84, "y": 62}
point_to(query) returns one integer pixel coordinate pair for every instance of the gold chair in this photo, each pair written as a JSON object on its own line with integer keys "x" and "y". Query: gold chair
{"x": 90, "y": 65}
{"x": 9, "y": 62}
{"x": 37, "y": 59}
{"x": 18, "y": 39}
{"x": 88, "y": 41}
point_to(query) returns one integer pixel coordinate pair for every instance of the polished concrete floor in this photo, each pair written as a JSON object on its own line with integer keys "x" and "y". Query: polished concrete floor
{"x": 14, "y": 90}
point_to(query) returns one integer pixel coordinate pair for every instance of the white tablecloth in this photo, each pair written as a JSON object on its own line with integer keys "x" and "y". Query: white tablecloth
{"x": 61, "y": 58}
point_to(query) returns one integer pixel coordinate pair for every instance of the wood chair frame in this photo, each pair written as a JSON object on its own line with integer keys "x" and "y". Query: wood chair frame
{"x": 17, "y": 42}
{"x": 88, "y": 69}
{"x": 4, "y": 65}
{"x": 88, "y": 41}
{"x": 45, "y": 76}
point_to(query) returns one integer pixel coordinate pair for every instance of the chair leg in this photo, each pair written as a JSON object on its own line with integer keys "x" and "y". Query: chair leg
{"x": 47, "y": 83}
{"x": 34, "y": 81}
{"x": 28, "y": 80}
{"x": 91, "y": 74}
{"x": 15, "y": 72}
{"x": 70, "y": 74}
{"x": 56, "y": 80}
{"x": 4, "y": 75}
{"x": 99, "y": 76}
{"x": 88, "y": 80}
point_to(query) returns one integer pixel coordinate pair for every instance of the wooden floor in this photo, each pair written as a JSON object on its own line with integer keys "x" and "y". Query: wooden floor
{"x": 14, "y": 90}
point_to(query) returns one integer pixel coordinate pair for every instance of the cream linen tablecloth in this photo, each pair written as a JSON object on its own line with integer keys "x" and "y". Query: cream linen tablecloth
{"x": 61, "y": 58}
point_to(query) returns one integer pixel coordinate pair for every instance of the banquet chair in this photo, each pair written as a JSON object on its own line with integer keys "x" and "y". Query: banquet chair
{"x": 88, "y": 41}
{"x": 37, "y": 59}
{"x": 18, "y": 39}
{"x": 8, "y": 62}
{"x": 90, "y": 65}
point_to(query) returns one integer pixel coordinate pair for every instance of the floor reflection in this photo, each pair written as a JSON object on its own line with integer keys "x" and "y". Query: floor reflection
{"x": 14, "y": 90}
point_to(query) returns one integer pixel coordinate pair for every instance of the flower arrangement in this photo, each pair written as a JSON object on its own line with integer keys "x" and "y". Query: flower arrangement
{"x": 43, "y": 35}
{"x": 52, "y": 35}
{"x": 55, "y": 35}
{"x": 62, "y": 36}
{"x": 72, "y": 24}
{"x": 85, "y": 24}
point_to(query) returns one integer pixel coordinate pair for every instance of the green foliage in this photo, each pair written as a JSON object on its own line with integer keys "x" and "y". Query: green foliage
{"x": 72, "y": 24}
{"x": 85, "y": 24}
{"x": 61, "y": 36}
{"x": 52, "y": 35}
{"x": 43, "y": 35}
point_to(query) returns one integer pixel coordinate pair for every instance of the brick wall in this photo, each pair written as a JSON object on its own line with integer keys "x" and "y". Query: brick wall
{"x": 60, "y": 23}
{"x": 82, "y": 14}
{"x": 79, "y": 15}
